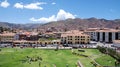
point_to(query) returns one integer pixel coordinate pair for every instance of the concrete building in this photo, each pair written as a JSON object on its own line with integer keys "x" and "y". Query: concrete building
{"x": 104, "y": 35}
{"x": 116, "y": 44}
{"x": 74, "y": 37}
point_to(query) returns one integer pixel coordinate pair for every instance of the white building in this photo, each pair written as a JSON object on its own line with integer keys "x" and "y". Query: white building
{"x": 104, "y": 35}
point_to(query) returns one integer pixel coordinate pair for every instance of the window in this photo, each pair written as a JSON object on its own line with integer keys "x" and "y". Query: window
{"x": 75, "y": 36}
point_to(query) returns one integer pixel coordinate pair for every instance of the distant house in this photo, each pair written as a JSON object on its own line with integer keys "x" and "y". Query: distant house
{"x": 33, "y": 36}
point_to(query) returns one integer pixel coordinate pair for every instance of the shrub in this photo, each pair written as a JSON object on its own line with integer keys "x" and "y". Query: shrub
{"x": 81, "y": 50}
{"x": 95, "y": 64}
{"x": 110, "y": 51}
{"x": 79, "y": 54}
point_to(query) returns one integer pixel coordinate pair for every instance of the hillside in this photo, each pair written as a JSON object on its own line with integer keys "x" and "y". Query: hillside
{"x": 82, "y": 24}
{"x": 18, "y": 26}
{"x": 68, "y": 24}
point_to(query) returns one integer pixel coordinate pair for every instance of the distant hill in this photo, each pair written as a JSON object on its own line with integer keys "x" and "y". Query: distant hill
{"x": 6, "y": 24}
{"x": 20, "y": 26}
{"x": 82, "y": 24}
{"x": 69, "y": 24}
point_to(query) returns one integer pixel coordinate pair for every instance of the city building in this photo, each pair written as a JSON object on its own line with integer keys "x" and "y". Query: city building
{"x": 33, "y": 36}
{"x": 75, "y": 37}
{"x": 21, "y": 35}
{"x": 7, "y": 37}
{"x": 91, "y": 32}
{"x": 116, "y": 43}
{"x": 104, "y": 35}
{"x": 58, "y": 34}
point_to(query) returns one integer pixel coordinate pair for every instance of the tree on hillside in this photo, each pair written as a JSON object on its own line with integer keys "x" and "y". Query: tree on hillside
{"x": 1, "y": 29}
{"x": 65, "y": 29}
{"x": 117, "y": 28}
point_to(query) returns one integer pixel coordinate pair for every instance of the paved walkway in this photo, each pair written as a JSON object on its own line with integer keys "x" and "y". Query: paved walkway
{"x": 80, "y": 64}
{"x": 54, "y": 47}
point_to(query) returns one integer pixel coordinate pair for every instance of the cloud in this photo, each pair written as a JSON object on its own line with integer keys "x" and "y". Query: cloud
{"x": 43, "y": 19}
{"x": 4, "y": 4}
{"x": 19, "y": 5}
{"x": 53, "y": 3}
{"x": 30, "y": 6}
{"x": 61, "y": 15}
{"x": 34, "y": 5}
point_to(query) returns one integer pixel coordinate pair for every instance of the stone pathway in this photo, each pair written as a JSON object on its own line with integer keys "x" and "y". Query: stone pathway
{"x": 80, "y": 64}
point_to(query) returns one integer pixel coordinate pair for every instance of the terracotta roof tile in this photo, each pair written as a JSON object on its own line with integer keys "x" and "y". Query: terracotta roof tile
{"x": 74, "y": 33}
{"x": 7, "y": 34}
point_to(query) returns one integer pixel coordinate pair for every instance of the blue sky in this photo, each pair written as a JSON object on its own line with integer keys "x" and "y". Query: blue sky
{"x": 43, "y": 11}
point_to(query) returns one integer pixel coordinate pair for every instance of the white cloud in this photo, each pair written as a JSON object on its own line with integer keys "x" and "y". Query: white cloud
{"x": 34, "y": 5}
{"x": 53, "y": 3}
{"x": 30, "y": 6}
{"x": 4, "y": 4}
{"x": 43, "y": 19}
{"x": 19, "y": 5}
{"x": 61, "y": 15}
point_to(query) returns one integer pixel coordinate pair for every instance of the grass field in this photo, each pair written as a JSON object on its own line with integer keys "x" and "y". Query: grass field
{"x": 11, "y": 57}
{"x": 100, "y": 58}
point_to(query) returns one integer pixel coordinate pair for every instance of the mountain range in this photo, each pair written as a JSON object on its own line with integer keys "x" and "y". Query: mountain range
{"x": 68, "y": 24}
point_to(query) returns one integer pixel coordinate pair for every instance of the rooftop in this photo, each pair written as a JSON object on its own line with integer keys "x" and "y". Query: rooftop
{"x": 7, "y": 34}
{"x": 28, "y": 33}
{"x": 102, "y": 30}
{"x": 74, "y": 33}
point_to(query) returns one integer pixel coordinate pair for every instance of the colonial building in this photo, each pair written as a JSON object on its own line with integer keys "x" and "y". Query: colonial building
{"x": 104, "y": 35}
{"x": 7, "y": 37}
{"x": 74, "y": 37}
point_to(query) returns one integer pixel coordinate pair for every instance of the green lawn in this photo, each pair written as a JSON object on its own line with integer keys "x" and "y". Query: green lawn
{"x": 105, "y": 60}
{"x": 11, "y": 57}
{"x": 102, "y": 59}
